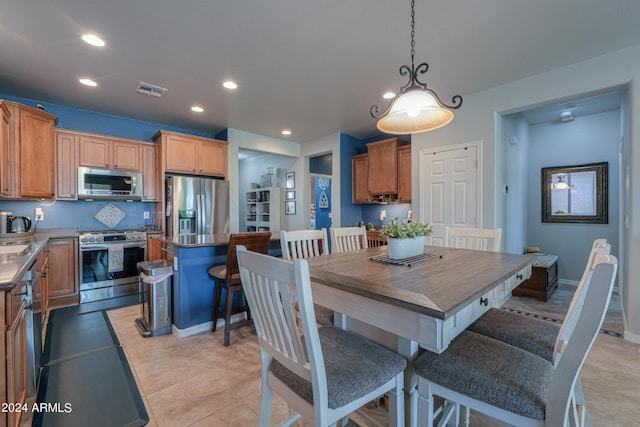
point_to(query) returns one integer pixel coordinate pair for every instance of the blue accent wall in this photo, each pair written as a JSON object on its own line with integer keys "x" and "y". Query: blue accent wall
{"x": 104, "y": 124}
{"x": 80, "y": 214}
{"x": 352, "y": 214}
{"x": 321, "y": 164}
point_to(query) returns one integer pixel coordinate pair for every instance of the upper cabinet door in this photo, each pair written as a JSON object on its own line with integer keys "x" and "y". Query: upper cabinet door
{"x": 126, "y": 155}
{"x": 212, "y": 158}
{"x": 404, "y": 174}
{"x": 383, "y": 166}
{"x": 360, "y": 179}
{"x": 67, "y": 165}
{"x": 150, "y": 179}
{"x": 95, "y": 151}
{"x": 181, "y": 154}
{"x": 37, "y": 154}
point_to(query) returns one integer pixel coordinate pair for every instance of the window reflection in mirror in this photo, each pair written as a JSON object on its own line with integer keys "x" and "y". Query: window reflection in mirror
{"x": 575, "y": 193}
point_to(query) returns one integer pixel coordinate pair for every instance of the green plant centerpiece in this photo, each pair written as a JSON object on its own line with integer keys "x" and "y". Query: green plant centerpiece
{"x": 405, "y": 238}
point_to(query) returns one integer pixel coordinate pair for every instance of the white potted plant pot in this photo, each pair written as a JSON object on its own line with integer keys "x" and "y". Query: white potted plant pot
{"x": 405, "y": 248}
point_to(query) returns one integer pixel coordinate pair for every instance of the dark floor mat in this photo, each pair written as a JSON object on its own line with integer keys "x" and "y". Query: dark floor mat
{"x": 89, "y": 307}
{"x": 73, "y": 336}
{"x": 97, "y": 389}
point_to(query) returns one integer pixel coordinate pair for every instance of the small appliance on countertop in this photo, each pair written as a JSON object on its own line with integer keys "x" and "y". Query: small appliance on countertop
{"x": 13, "y": 226}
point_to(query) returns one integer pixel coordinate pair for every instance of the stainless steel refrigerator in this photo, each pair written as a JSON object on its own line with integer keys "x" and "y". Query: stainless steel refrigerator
{"x": 196, "y": 205}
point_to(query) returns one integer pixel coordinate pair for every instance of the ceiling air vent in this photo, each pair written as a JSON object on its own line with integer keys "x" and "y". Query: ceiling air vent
{"x": 151, "y": 90}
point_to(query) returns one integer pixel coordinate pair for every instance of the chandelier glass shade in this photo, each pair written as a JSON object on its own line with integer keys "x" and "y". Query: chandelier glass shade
{"x": 417, "y": 108}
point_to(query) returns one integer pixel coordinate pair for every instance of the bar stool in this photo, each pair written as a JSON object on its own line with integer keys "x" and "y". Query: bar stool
{"x": 227, "y": 276}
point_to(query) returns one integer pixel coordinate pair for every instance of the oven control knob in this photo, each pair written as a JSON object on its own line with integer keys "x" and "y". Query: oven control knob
{"x": 99, "y": 239}
{"x": 84, "y": 240}
{"x": 92, "y": 239}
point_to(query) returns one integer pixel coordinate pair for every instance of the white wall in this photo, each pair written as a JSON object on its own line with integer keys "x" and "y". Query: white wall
{"x": 240, "y": 139}
{"x": 515, "y": 144}
{"x": 328, "y": 144}
{"x": 478, "y": 120}
{"x": 252, "y": 169}
{"x": 587, "y": 139}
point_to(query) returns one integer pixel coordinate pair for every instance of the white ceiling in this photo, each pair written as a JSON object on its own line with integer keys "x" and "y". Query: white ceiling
{"x": 312, "y": 67}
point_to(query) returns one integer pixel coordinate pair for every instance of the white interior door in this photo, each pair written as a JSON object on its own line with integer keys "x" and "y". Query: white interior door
{"x": 450, "y": 191}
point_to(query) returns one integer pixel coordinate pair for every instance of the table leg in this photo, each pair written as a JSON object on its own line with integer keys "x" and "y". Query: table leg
{"x": 409, "y": 349}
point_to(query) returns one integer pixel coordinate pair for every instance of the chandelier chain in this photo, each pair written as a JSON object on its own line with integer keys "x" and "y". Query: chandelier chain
{"x": 413, "y": 32}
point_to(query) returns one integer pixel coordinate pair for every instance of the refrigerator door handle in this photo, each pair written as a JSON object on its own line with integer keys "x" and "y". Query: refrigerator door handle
{"x": 198, "y": 214}
{"x": 203, "y": 218}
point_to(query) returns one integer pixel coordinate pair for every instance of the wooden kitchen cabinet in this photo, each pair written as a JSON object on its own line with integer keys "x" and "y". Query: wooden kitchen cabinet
{"x": 126, "y": 155}
{"x": 383, "y": 166}
{"x": 16, "y": 368}
{"x": 154, "y": 247}
{"x": 107, "y": 152}
{"x": 67, "y": 145}
{"x": 193, "y": 154}
{"x": 31, "y": 151}
{"x": 360, "y": 179}
{"x": 62, "y": 277}
{"x": 6, "y": 153}
{"x": 150, "y": 174}
{"x": 404, "y": 174}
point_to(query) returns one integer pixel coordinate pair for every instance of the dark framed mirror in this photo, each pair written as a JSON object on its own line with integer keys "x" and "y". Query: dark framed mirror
{"x": 575, "y": 193}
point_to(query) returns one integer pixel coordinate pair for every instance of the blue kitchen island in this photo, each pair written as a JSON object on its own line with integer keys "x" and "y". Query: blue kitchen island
{"x": 193, "y": 289}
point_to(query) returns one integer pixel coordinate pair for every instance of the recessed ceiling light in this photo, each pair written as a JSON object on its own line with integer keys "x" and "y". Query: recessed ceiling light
{"x": 286, "y": 132}
{"x": 93, "y": 40}
{"x": 197, "y": 109}
{"x": 389, "y": 95}
{"x": 229, "y": 84}
{"x": 88, "y": 82}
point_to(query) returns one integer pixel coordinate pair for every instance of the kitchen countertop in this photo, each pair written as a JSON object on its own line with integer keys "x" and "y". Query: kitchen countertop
{"x": 13, "y": 266}
{"x": 201, "y": 240}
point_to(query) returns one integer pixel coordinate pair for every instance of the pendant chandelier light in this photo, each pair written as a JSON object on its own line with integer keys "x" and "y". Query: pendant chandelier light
{"x": 417, "y": 108}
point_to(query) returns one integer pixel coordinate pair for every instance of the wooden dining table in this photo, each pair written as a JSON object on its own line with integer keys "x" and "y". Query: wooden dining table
{"x": 425, "y": 304}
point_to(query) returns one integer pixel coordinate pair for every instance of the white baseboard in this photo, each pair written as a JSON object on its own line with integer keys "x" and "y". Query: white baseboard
{"x": 573, "y": 283}
{"x": 634, "y": 338}
{"x": 203, "y": 327}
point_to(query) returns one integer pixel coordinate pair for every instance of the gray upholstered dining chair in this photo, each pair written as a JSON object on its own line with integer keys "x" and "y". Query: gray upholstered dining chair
{"x": 346, "y": 239}
{"x": 300, "y": 244}
{"x": 540, "y": 337}
{"x": 473, "y": 238}
{"x": 511, "y": 384}
{"x": 534, "y": 335}
{"x": 324, "y": 374}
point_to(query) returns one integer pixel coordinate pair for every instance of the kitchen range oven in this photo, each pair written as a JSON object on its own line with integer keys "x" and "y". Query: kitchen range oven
{"x": 108, "y": 263}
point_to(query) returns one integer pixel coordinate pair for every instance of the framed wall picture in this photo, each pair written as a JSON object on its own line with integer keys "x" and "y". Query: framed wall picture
{"x": 291, "y": 180}
{"x": 290, "y": 195}
{"x": 290, "y": 208}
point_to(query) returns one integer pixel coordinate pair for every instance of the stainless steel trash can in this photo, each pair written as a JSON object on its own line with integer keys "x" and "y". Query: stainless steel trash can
{"x": 155, "y": 281}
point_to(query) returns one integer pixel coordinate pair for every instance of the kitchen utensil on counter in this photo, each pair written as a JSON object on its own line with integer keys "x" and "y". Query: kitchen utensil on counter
{"x": 20, "y": 224}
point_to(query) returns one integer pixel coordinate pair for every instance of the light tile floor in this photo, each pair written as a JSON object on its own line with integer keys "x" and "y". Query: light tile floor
{"x": 197, "y": 381}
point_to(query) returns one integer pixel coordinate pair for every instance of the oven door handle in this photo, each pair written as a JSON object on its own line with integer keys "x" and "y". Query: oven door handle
{"x": 94, "y": 248}
{"x": 140, "y": 244}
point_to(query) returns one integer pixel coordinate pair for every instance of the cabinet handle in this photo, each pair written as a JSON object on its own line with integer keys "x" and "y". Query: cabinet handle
{"x": 484, "y": 301}
{"x": 519, "y": 276}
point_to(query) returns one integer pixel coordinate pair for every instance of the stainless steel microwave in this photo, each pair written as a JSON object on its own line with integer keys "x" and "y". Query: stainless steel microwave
{"x": 108, "y": 184}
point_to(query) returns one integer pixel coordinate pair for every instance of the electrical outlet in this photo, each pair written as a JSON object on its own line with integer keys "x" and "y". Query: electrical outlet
{"x": 383, "y": 215}
{"x": 39, "y": 214}
{"x": 410, "y": 214}
{"x": 146, "y": 214}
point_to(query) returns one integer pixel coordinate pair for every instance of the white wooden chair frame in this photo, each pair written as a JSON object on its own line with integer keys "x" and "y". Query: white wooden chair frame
{"x": 473, "y": 238}
{"x": 299, "y": 244}
{"x": 347, "y": 239}
{"x": 271, "y": 286}
{"x": 598, "y": 287}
